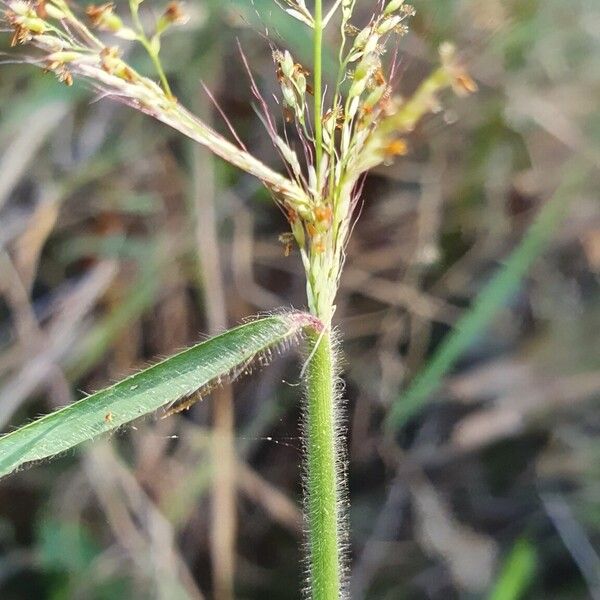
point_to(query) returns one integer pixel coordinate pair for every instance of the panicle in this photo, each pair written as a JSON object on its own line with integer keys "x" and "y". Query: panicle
{"x": 365, "y": 126}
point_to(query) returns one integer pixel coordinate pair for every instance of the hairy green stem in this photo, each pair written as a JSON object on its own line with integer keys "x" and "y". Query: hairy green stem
{"x": 318, "y": 52}
{"x": 322, "y": 488}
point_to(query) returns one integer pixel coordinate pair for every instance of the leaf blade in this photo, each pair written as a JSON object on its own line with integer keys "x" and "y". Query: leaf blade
{"x": 142, "y": 393}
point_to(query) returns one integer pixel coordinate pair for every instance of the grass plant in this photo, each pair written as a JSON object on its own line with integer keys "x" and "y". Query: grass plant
{"x": 351, "y": 126}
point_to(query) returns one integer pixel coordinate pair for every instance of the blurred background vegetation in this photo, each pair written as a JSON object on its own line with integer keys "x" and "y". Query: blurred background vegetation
{"x": 117, "y": 237}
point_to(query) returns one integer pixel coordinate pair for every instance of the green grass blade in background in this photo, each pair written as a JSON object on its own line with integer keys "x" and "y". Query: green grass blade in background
{"x": 517, "y": 573}
{"x": 145, "y": 392}
{"x": 487, "y": 304}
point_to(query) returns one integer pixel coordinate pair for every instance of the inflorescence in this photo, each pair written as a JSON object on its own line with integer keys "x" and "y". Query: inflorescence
{"x": 365, "y": 124}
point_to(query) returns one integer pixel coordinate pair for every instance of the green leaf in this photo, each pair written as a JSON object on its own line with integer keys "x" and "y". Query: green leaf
{"x": 517, "y": 572}
{"x": 194, "y": 370}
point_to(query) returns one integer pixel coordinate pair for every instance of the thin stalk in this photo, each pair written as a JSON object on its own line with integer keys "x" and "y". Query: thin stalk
{"x": 322, "y": 493}
{"x": 158, "y": 66}
{"x": 318, "y": 55}
{"x": 143, "y": 39}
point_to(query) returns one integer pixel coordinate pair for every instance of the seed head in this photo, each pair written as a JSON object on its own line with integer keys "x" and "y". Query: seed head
{"x": 24, "y": 21}
{"x": 324, "y": 216}
{"x": 175, "y": 14}
{"x": 364, "y": 127}
{"x": 462, "y": 83}
{"x": 103, "y": 17}
{"x": 392, "y": 6}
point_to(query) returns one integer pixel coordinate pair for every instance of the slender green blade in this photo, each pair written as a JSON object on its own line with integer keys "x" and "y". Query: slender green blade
{"x": 160, "y": 385}
{"x": 488, "y": 303}
{"x": 517, "y": 572}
